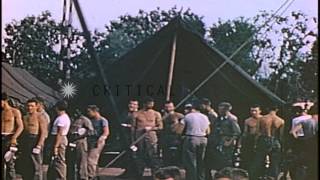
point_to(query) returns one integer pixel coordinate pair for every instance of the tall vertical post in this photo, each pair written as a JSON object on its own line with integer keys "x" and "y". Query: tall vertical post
{"x": 171, "y": 67}
{"x": 62, "y": 40}
{"x": 68, "y": 46}
{"x": 95, "y": 57}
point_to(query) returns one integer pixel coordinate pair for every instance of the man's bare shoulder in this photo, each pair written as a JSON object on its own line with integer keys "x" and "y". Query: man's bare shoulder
{"x": 278, "y": 120}
{"x": 246, "y": 121}
{"x": 136, "y": 113}
{"x": 158, "y": 114}
{"x": 16, "y": 111}
{"x": 40, "y": 114}
{"x": 265, "y": 117}
{"x": 179, "y": 115}
{"x": 233, "y": 117}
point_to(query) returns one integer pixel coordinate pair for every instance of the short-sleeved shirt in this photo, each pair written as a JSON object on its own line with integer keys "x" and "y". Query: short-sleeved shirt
{"x": 196, "y": 124}
{"x": 99, "y": 125}
{"x": 298, "y": 120}
{"x": 81, "y": 122}
{"x": 61, "y": 121}
{"x": 309, "y": 128}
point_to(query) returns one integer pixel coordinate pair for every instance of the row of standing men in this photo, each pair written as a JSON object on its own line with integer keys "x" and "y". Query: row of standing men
{"x": 31, "y": 141}
{"x": 206, "y": 140}
{"x": 201, "y": 140}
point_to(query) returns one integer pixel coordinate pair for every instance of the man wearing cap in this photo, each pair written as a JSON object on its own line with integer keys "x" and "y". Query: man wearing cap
{"x": 197, "y": 127}
{"x": 147, "y": 121}
{"x": 11, "y": 129}
{"x": 187, "y": 108}
{"x": 226, "y": 131}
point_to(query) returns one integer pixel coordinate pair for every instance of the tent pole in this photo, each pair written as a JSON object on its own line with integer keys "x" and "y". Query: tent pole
{"x": 171, "y": 68}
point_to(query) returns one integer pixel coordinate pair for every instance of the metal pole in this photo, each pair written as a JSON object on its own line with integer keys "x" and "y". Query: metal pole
{"x": 125, "y": 151}
{"x": 69, "y": 36}
{"x": 94, "y": 55}
{"x": 63, "y": 22}
{"x": 171, "y": 68}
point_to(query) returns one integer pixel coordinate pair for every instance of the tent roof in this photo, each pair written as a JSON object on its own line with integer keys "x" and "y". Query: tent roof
{"x": 148, "y": 65}
{"x": 183, "y": 30}
{"x": 20, "y": 84}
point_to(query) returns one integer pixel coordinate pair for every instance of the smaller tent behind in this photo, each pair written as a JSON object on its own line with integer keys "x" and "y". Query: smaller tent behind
{"x": 21, "y": 85}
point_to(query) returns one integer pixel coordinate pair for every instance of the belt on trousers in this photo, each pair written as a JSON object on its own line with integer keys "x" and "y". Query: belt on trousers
{"x": 32, "y": 135}
{"x": 6, "y": 136}
{"x": 194, "y": 135}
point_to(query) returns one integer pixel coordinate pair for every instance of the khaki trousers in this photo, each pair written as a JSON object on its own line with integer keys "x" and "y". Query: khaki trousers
{"x": 93, "y": 158}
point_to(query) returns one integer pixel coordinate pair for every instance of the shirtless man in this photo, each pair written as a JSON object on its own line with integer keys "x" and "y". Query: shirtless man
{"x": 147, "y": 121}
{"x": 171, "y": 134}
{"x": 249, "y": 135}
{"x": 36, "y": 131}
{"x": 268, "y": 144}
{"x": 11, "y": 128}
{"x": 41, "y": 109}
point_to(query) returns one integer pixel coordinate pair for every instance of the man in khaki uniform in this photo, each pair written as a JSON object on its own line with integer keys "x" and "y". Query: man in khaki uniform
{"x": 11, "y": 128}
{"x": 81, "y": 123}
{"x": 36, "y": 130}
{"x": 147, "y": 121}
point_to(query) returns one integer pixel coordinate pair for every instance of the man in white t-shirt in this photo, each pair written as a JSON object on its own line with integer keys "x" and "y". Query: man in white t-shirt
{"x": 197, "y": 127}
{"x": 60, "y": 130}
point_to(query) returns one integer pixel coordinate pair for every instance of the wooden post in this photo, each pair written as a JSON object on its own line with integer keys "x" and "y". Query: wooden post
{"x": 172, "y": 61}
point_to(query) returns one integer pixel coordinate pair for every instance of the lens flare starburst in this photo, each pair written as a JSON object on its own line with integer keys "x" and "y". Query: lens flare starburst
{"x": 68, "y": 90}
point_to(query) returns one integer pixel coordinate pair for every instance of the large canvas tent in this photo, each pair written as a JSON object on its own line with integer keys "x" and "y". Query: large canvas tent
{"x": 21, "y": 85}
{"x": 145, "y": 71}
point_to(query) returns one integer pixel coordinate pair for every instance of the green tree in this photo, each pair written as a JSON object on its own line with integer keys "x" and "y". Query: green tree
{"x": 128, "y": 31}
{"x": 228, "y": 36}
{"x": 34, "y": 44}
{"x": 285, "y": 52}
{"x": 309, "y": 73}
{"x": 29, "y": 44}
